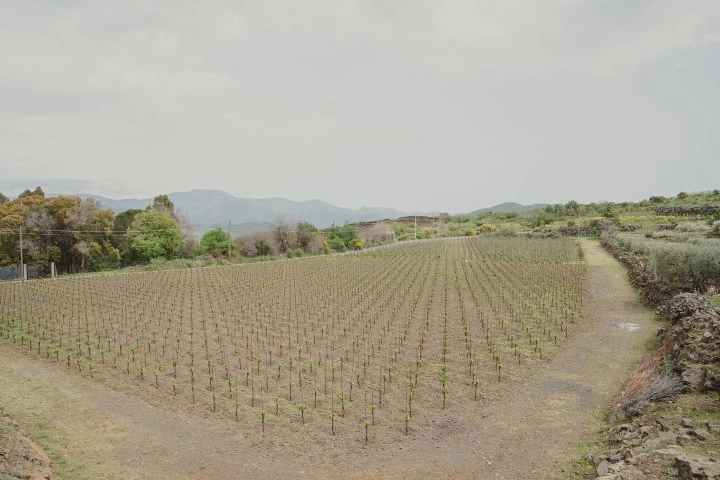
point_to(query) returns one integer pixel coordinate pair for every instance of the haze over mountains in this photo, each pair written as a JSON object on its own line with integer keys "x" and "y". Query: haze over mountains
{"x": 509, "y": 207}
{"x": 207, "y": 209}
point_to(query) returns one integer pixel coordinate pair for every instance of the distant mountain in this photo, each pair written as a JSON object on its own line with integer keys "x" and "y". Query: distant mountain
{"x": 207, "y": 209}
{"x": 510, "y": 207}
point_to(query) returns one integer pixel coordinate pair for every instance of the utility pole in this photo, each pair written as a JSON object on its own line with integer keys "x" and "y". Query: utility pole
{"x": 229, "y": 240}
{"x": 22, "y": 261}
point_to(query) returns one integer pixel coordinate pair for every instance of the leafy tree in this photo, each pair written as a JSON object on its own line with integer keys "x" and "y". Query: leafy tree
{"x": 46, "y": 222}
{"x": 541, "y": 218}
{"x": 305, "y": 233}
{"x": 155, "y": 234}
{"x": 262, "y": 247}
{"x": 162, "y": 203}
{"x": 120, "y": 240}
{"x": 216, "y": 242}
{"x": 606, "y": 210}
{"x": 124, "y": 220}
{"x": 3, "y": 198}
{"x": 342, "y": 238}
{"x": 572, "y": 207}
{"x": 28, "y": 193}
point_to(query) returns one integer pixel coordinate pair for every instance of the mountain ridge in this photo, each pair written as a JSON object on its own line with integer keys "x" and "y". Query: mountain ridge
{"x": 507, "y": 207}
{"x": 206, "y": 209}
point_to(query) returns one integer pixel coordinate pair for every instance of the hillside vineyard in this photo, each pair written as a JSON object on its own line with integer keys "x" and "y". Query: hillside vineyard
{"x": 379, "y": 342}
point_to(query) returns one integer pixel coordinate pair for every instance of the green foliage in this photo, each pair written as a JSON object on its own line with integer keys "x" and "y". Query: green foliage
{"x": 572, "y": 208}
{"x": 103, "y": 256}
{"x": 542, "y": 218}
{"x": 678, "y": 262}
{"x": 263, "y": 247}
{"x": 606, "y": 210}
{"x": 216, "y": 242}
{"x": 304, "y": 233}
{"x": 715, "y": 229}
{"x": 155, "y": 234}
{"x": 162, "y": 203}
{"x": 508, "y": 229}
{"x": 27, "y": 193}
{"x": 3, "y": 198}
{"x": 343, "y": 238}
{"x": 294, "y": 252}
{"x": 121, "y": 224}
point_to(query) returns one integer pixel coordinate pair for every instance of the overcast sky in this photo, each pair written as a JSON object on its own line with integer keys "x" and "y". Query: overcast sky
{"x": 417, "y": 105}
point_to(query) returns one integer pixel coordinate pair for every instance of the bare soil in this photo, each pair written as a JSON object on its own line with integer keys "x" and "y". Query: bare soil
{"x": 20, "y": 457}
{"x": 529, "y": 427}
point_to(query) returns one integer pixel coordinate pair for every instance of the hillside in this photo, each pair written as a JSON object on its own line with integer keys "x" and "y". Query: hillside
{"x": 507, "y": 207}
{"x": 210, "y": 208}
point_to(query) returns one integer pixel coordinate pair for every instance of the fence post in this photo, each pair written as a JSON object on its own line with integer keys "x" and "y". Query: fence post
{"x": 52, "y": 270}
{"x": 24, "y": 272}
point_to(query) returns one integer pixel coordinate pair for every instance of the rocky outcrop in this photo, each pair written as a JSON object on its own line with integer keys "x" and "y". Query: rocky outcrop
{"x": 695, "y": 328}
{"x": 660, "y": 448}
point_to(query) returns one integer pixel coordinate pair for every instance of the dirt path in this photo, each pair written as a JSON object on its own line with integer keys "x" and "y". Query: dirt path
{"x": 532, "y": 432}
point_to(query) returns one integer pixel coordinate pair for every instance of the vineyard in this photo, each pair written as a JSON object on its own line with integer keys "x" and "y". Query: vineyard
{"x": 362, "y": 347}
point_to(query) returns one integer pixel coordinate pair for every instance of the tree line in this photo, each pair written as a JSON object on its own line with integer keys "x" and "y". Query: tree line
{"x": 78, "y": 234}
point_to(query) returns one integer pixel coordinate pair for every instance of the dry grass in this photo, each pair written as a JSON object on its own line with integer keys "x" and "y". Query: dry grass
{"x": 650, "y": 381}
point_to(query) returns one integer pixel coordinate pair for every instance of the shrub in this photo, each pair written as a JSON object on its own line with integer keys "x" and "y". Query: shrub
{"x": 509, "y": 229}
{"x": 693, "y": 227}
{"x": 681, "y": 266}
{"x": 715, "y": 229}
{"x": 488, "y": 228}
{"x": 682, "y": 195}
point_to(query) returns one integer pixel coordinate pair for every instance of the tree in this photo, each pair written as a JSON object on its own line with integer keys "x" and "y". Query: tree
{"x": 573, "y": 207}
{"x": 121, "y": 241}
{"x": 155, "y": 234}
{"x": 162, "y": 203}
{"x": 188, "y": 232}
{"x": 216, "y": 242}
{"x": 606, "y": 210}
{"x": 283, "y": 233}
{"x": 3, "y": 198}
{"x": 92, "y": 227}
{"x": 304, "y": 234}
{"x": 342, "y": 238}
{"x": 39, "y": 243}
{"x": 27, "y": 193}
{"x": 263, "y": 247}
